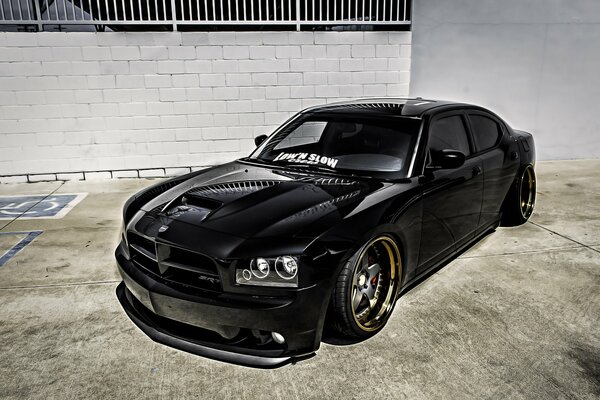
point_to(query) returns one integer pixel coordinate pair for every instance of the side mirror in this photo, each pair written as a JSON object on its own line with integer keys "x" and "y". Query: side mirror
{"x": 259, "y": 139}
{"x": 448, "y": 159}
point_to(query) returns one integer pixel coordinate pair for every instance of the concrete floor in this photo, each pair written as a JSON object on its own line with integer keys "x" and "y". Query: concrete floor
{"x": 516, "y": 316}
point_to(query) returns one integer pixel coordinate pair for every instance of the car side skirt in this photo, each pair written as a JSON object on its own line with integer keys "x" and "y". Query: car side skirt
{"x": 480, "y": 233}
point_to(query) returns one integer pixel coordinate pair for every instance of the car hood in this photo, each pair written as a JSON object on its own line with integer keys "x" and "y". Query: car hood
{"x": 249, "y": 201}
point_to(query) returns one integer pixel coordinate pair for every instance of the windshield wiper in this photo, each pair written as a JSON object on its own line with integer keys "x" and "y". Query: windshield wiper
{"x": 258, "y": 161}
{"x": 314, "y": 167}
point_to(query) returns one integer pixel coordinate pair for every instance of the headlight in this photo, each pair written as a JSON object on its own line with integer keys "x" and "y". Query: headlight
{"x": 279, "y": 272}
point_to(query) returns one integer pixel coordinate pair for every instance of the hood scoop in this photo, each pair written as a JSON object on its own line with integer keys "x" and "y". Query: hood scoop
{"x": 188, "y": 206}
{"x": 192, "y": 200}
{"x": 196, "y": 204}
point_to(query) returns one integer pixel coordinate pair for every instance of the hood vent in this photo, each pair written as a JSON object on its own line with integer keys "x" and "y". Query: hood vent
{"x": 236, "y": 188}
{"x": 325, "y": 207}
{"x": 326, "y": 181}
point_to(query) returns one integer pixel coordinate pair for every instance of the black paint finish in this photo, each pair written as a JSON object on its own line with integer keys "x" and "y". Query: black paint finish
{"x": 208, "y": 222}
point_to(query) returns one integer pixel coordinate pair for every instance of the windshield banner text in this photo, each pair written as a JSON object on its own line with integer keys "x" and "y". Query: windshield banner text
{"x": 307, "y": 158}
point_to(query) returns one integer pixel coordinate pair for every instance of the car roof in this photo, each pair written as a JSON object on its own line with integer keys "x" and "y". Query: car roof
{"x": 407, "y": 107}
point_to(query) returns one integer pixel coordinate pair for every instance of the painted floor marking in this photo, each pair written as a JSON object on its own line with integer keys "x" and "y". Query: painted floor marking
{"x": 31, "y": 235}
{"x": 38, "y": 206}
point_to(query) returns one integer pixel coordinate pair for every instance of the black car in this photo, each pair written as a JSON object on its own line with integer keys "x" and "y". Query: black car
{"x": 323, "y": 226}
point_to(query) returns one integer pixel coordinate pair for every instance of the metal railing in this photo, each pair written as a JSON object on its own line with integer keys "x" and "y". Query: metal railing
{"x": 174, "y": 13}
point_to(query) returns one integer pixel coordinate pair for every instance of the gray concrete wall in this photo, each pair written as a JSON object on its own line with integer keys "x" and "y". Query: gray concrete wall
{"x": 72, "y": 102}
{"x": 536, "y": 63}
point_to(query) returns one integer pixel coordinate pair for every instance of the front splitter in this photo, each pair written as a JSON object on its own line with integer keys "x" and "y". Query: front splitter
{"x": 161, "y": 336}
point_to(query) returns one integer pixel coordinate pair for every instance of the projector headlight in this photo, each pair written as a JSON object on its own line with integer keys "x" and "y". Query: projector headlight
{"x": 278, "y": 272}
{"x": 260, "y": 268}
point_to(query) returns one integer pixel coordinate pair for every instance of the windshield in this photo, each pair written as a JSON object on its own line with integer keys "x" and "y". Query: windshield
{"x": 358, "y": 144}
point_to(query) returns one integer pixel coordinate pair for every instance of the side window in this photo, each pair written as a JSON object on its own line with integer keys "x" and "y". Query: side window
{"x": 448, "y": 133}
{"x": 486, "y": 132}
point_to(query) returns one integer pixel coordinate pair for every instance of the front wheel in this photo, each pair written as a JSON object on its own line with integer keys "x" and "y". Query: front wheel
{"x": 366, "y": 289}
{"x": 520, "y": 201}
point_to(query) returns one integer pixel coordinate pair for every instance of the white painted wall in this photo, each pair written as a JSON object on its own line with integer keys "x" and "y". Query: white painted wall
{"x": 112, "y": 101}
{"x": 535, "y": 62}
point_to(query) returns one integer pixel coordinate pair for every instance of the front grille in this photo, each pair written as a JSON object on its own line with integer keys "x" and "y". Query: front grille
{"x": 173, "y": 265}
{"x": 142, "y": 245}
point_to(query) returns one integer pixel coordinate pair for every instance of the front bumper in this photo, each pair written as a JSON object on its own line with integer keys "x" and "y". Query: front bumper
{"x": 197, "y": 323}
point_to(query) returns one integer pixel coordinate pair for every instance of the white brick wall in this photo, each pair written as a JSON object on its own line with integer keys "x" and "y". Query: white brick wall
{"x": 72, "y": 102}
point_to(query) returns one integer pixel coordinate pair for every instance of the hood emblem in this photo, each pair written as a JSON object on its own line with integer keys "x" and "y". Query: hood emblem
{"x": 163, "y": 228}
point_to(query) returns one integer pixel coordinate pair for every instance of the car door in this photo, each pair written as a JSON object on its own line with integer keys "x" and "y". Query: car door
{"x": 488, "y": 132}
{"x": 451, "y": 198}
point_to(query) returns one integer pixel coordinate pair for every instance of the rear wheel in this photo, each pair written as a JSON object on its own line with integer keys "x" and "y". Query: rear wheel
{"x": 520, "y": 201}
{"x": 366, "y": 289}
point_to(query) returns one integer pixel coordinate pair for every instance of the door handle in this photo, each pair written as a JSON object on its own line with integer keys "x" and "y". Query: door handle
{"x": 476, "y": 170}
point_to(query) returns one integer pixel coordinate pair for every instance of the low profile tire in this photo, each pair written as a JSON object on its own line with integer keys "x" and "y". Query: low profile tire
{"x": 520, "y": 201}
{"x": 366, "y": 289}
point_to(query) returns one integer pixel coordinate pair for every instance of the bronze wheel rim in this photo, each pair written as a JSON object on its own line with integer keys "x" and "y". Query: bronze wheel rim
{"x": 375, "y": 283}
{"x": 527, "y": 192}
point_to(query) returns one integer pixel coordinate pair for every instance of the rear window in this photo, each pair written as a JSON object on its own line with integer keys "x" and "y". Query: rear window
{"x": 486, "y": 131}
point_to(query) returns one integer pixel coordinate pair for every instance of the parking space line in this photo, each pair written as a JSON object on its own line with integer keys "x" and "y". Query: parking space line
{"x": 564, "y": 236}
{"x": 31, "y": 235}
